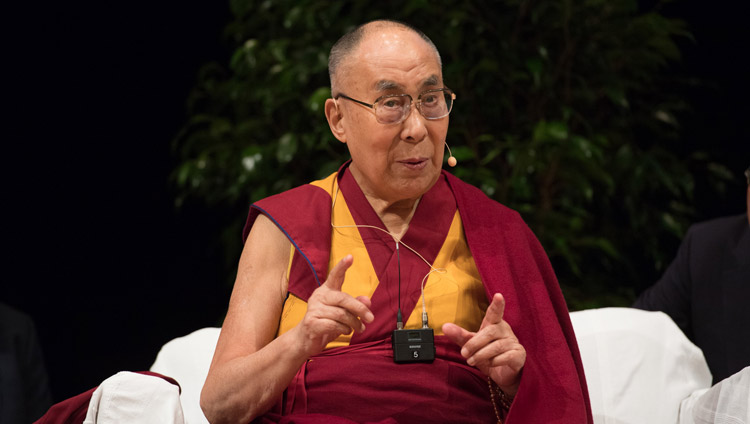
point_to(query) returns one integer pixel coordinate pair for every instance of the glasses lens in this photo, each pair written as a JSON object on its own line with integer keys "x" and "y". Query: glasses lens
{"x": 436, "y": 104}
{"x": 391, "y": 109}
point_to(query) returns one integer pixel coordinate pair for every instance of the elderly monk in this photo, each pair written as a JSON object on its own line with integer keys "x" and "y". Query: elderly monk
{"x": 401, "y": 238}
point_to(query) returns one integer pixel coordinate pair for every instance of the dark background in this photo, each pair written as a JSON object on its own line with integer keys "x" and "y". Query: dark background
{"x": 97, "y": 254}
{"x": 99, "y": 257}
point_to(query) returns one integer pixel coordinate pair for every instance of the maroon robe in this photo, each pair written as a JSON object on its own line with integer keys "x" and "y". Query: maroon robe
{"x": 361, "y": 383}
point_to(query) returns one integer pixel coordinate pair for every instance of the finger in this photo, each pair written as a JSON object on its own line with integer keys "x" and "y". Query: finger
{"x": 335, "y": 328}
{"x": 327, "y": 298}
{"x": 366, "y": 300}
{"x": 514, "y": 359}
{"x": 367, "y": 316}
{"x": 487, "y": 335}
{"x": 487, "y": 354}
{"x": 349, "y": 319}
{"x": 336, "y": 277}
{"x": 456, "y": 334}
{"x": 495, "y": 311}
{"x": 337, "y": 314}
{"x": 356, "y": 307}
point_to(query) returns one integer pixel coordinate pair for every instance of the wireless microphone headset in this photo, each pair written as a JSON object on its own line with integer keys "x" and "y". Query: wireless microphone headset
{"x": 452, "y": 161}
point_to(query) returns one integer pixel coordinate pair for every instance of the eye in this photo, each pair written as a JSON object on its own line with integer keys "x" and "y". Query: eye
{"x": 430, "y": 99}
{"x": 392, "y": 102}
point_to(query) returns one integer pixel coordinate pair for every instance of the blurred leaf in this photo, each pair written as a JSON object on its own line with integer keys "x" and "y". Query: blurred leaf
{"x": 286, "y": 148}
{"x": 462, "y": 153}
{"x": 318, "y": 98}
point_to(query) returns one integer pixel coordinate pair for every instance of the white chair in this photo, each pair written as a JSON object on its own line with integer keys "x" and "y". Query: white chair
{"x": 639, "y": 366}
{"x": 186, "y": 359}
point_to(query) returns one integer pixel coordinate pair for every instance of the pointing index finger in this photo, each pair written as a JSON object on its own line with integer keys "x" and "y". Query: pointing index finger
{"x": 336, "y": 277}
{"x": 495, "y": 311}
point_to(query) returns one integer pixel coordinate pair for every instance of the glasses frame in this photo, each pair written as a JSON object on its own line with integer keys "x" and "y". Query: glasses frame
{"x": 418, "y": 104}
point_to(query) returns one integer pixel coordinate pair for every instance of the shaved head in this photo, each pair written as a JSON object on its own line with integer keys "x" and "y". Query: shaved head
{"x": 346, "y": 45}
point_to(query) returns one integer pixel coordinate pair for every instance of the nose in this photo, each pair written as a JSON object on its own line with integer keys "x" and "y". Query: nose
{"x": 414, "y": 128}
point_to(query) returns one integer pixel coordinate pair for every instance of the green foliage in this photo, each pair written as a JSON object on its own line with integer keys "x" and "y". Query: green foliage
{"x": 563, "y": 113}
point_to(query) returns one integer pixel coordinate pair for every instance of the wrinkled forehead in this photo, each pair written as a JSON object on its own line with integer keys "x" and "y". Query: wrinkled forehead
{"x": 391, "y": 59}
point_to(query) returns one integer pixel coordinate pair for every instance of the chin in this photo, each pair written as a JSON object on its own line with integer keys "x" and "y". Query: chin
{"x": 422, "y": 185}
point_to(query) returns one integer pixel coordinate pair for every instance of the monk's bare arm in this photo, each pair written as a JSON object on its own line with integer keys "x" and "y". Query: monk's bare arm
{"x": 251, "y": 368}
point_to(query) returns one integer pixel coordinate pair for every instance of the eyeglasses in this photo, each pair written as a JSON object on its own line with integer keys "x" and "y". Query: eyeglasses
{"x": 395, "y": 108}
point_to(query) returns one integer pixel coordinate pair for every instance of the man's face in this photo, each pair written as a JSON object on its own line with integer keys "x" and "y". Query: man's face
{"x": 392, "y": 162}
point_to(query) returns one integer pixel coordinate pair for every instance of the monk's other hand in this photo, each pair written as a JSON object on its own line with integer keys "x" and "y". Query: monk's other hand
{"x": 331, "y": 312}
{"x": 494, "y": 349}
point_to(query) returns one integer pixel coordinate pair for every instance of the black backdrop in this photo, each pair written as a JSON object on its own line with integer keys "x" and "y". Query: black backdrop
{"x": 98, "y": 256}
{"x": 96, "y": 253}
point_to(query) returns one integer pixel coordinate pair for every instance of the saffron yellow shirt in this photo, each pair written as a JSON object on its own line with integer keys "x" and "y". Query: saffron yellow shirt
{"x": 453, "y": 292}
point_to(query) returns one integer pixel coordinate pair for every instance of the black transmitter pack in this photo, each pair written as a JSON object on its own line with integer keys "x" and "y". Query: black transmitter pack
{"x": 415, "y": 345}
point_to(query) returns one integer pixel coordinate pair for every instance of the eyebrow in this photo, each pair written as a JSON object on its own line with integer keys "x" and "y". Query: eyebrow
{"x": 432, "y": 80}
{"x": 386, "y": 85}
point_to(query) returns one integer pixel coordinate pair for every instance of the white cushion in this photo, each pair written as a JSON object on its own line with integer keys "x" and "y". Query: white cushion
{"x": 128, "y": 397}
{"x": 727, "y": 402}
{"x": 639, "y": 365}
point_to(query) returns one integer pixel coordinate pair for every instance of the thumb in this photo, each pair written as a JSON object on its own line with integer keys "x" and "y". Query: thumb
{"x": 336, "y": 277}
{"x": 457, "y": 334}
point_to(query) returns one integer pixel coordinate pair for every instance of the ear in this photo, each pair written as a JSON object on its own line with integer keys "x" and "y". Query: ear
{"x": 335, "y": 120}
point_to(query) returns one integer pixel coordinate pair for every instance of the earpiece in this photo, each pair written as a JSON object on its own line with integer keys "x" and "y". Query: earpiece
{"x": 451, "y": 160}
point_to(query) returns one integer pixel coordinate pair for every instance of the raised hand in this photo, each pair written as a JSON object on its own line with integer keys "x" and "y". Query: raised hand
{"x": 330, "y": 312}
{"x": 494, "y": 349}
